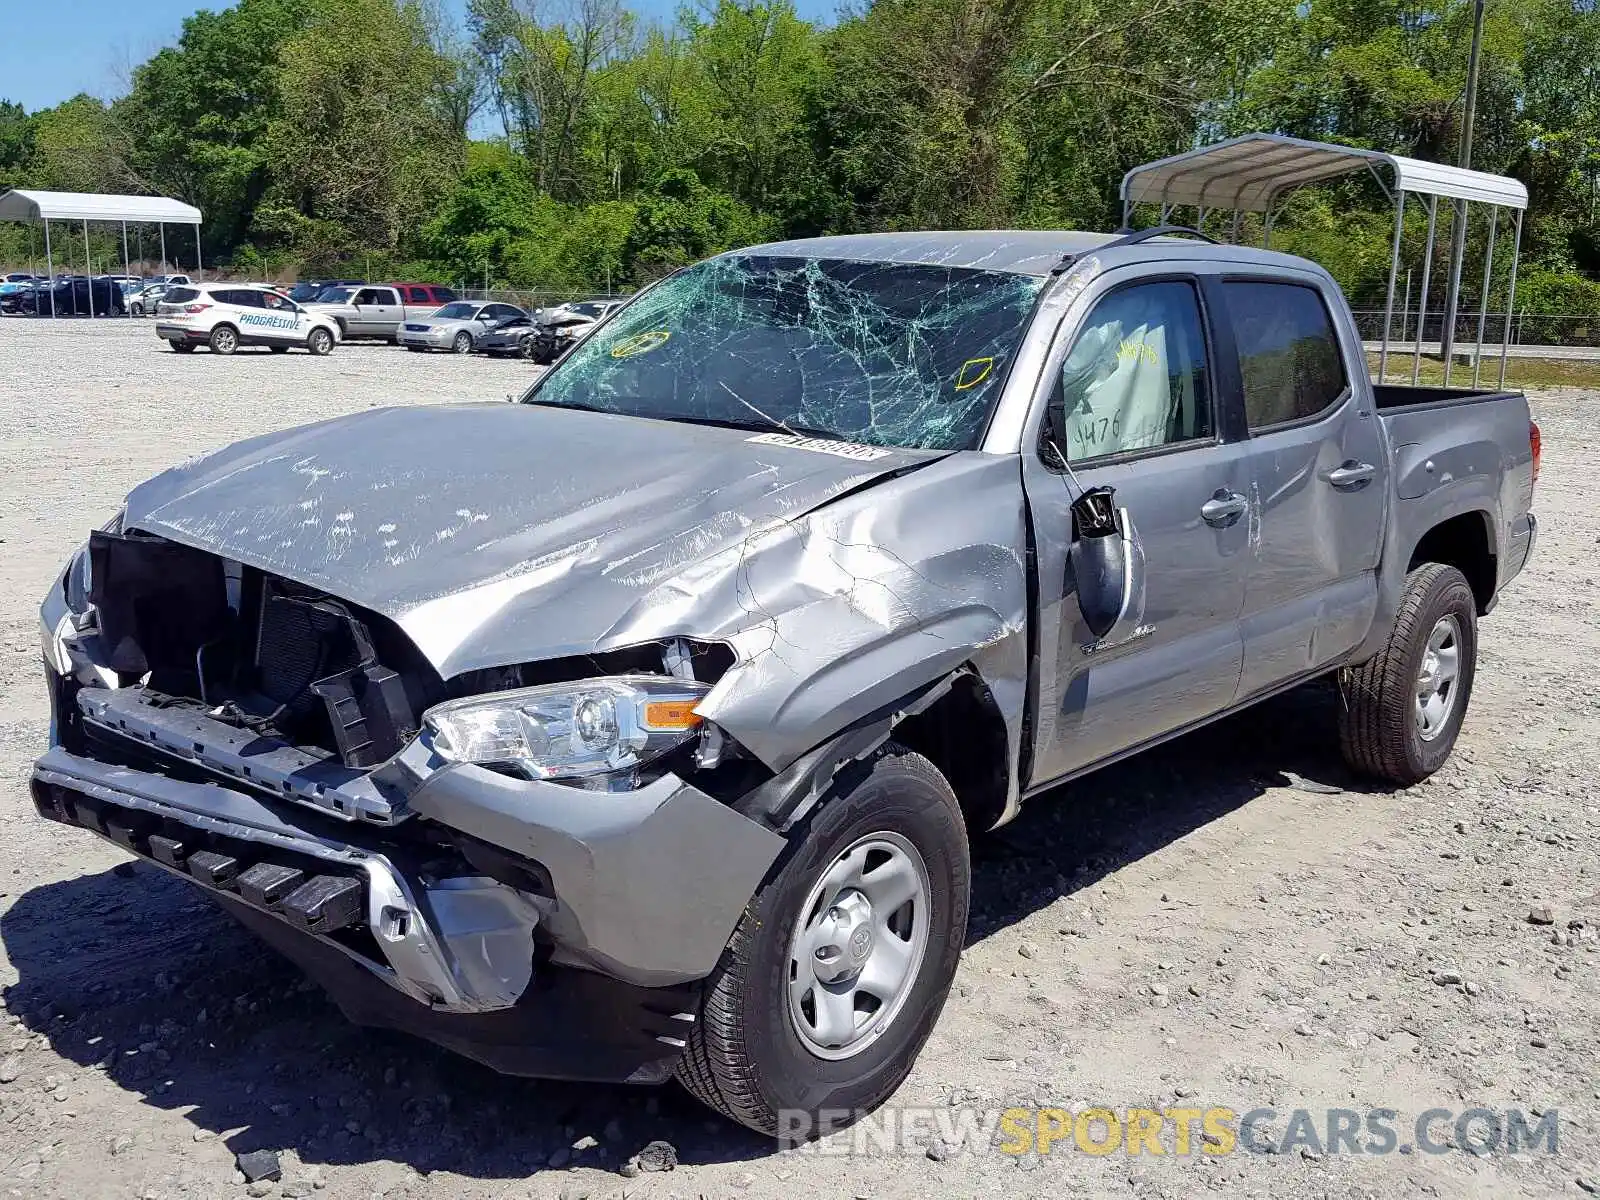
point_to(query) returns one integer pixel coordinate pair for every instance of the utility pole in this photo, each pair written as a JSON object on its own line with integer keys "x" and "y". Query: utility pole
{"x": 1458, "y": 236}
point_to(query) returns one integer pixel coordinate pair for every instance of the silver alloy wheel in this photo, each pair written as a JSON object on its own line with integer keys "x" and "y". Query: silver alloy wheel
{"x": 858, "y": 945}
{"x": 463, "y": 342}
{"x": 224, "y": 341}
{"x": 1437, "y": 679}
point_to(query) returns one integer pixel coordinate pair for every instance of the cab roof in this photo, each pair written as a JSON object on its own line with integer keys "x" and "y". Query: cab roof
{"x": 1016, "y": 251}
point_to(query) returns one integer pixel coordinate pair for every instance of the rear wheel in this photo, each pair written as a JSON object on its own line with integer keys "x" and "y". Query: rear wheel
{"x": 840, "y": 966}
{"x": 319, "y": 342}
{"x": 462, "y": 343}
{"x": 181, "y": 346}
{"x": 1400, "y": 712}
{"x": 279, "y": 349}
{"x": 224, "y": 339}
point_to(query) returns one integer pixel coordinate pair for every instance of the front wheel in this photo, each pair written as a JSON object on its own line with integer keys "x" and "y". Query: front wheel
{"x": 224, "y": 340}
{"x": 840, "y": 966}
{"x": 320, "y": 342}
{"x": 462, "y": 343}
{"x": 1401, "y": 711}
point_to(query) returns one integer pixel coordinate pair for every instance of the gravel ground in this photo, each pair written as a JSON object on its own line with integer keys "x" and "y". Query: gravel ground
{"x": 1227, "y": 921}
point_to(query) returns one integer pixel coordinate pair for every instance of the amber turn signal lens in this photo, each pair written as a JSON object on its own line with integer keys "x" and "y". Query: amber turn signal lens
{"x": 670, "y": 714}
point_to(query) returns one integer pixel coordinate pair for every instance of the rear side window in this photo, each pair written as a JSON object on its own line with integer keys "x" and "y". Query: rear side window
{"x": 179, "y": 295}
{"x": 1288, "y": 353}
{"x": 417, "y": 295}
{"x": 443, "y": 295}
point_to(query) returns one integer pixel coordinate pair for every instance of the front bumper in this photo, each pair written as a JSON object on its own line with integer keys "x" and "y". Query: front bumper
{"x": 433, "y": 339}
{"x": 429, "y": 958}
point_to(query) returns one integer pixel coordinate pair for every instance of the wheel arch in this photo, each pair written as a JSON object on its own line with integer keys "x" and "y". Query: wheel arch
{"x": 1466, "y": 542}
{"x": 954, "y": 721}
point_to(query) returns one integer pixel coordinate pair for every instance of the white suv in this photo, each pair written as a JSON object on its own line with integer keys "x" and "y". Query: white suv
{"x": 226, "y": 316}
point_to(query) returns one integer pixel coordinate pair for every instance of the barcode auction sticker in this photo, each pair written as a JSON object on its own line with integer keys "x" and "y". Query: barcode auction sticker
{"x": 822, "y": 446}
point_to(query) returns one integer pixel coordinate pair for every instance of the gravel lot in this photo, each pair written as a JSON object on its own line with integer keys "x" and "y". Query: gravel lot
{"x": 1228, "y": 921}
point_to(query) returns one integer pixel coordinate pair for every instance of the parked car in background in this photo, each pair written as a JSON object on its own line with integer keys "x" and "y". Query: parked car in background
{"x": 514, "y": 338}
{"x": 378, "y": 310}
{"x": 12, "y": 289}
{"x": 457, "y": 326}
{"x": 565, "y": 324}
{"x": 226, "y": 316}
{"x": 143, "y": 303}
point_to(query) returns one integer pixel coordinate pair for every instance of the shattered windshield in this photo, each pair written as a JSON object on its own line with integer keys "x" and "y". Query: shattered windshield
{"x": 889, "y": 354}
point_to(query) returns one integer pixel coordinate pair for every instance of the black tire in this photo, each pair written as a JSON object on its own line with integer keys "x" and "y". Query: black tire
{"x": 744, "y": 1056}
{"x": 136, "y": 309}
{"x": 181, "y": 346}
{"x": 417, "y": 349}
{"x": 279, "y": 349}
{"x": 224, "y": 339}
{"x": 1379, "y": 728}
{"x": 319, "y": 342}
{"x": 525, "y": 347}
{"x": 461, "y": 343}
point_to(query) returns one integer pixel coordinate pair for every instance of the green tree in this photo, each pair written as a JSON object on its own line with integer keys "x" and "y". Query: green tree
{"x": 197, "y": 114}
{"x": 363, "y": 149}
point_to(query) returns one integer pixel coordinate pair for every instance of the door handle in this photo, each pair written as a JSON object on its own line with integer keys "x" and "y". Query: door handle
{"x": 1224, "y": 508}
{"x": 1352, "y": 474}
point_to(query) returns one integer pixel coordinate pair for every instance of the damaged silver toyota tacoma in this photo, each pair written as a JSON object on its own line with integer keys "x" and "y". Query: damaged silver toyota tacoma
{"x": 639, "y": 727}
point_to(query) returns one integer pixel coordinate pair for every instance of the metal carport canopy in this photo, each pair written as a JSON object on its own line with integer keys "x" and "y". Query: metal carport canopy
{"x": 25, "y": 204}
{"x": 1250, "y": 173}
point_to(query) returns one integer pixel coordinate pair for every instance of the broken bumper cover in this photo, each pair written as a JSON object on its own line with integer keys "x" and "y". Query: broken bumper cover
{"x": 462, "y": 944}
{"x": 451, "y": 961}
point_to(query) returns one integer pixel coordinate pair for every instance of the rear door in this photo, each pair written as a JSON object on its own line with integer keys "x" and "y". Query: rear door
{"x": 1318, "y": 473}
{"x": 1136, "y": 395}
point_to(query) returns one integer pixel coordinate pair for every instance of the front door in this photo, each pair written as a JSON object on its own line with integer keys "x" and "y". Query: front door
{"x": 1136, "y": 403}
{"x": 1319, "y": 480}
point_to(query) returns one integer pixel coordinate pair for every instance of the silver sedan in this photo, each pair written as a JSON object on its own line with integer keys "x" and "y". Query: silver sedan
{"x": 457, "y": 326}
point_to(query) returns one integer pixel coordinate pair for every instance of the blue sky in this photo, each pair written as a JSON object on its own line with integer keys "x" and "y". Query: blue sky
{"x": 49, "y": 53}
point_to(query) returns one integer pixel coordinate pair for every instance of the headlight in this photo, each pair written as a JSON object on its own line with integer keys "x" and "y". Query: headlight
{"x": 569, "y": 730}
{"x": 79, "y": 579}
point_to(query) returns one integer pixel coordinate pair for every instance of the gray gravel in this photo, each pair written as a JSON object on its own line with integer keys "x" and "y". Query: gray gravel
{"x": 1231, "y": 920}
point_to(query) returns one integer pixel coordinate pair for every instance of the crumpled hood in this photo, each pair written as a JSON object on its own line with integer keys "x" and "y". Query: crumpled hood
{"x": 496, "y": 533}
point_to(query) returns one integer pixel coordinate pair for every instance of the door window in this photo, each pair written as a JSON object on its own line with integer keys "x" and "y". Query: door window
{"x": 1137, "y": 377}
{"x": 367, "y": 296}
{"x": 1288, "y": 353}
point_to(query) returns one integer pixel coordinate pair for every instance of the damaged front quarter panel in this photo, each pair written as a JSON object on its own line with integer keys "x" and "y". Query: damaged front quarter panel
{"x": 852, "y": 607}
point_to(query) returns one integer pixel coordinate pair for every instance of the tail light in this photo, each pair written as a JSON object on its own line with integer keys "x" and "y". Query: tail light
{"x": 195, "y": 308}
{"x": 1536, "y": 444}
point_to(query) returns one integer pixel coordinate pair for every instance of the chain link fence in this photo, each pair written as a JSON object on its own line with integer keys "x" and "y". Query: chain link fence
{"x": 1527, "y": 329}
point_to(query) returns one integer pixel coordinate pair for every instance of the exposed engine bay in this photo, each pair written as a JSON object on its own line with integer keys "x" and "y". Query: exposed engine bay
{"x": 257, "y": 651}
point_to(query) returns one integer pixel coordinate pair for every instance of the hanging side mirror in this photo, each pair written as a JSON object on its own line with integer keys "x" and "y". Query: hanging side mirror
{"x": 1106, "y": 565}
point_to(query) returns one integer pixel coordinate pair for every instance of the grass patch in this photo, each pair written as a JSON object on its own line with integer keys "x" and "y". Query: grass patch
{"x": 1521, "y": 373}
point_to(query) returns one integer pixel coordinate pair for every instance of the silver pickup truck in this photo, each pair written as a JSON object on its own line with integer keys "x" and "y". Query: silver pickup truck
{"x": 378, "y": 310}
{"x": 640, "y": 728}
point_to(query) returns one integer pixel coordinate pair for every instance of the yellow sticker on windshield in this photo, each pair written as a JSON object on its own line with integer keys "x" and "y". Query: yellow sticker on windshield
{"x": 640, "y": 343}
{"x": 973, "y": 372}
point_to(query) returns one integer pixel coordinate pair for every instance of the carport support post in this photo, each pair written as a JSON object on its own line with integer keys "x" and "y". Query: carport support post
{"x": 50, "y": 270}
{"x": 1483, "y": 303}
{"x": 126, "y": 308}
{"x": 1422, "y": 298}
{"x": 161, "y": 225}
{"x": 197, "y": 275}
{"x": 1394, "y": 270}
{"x": 88, "y": 267}
{"x": 1511, "y": 298}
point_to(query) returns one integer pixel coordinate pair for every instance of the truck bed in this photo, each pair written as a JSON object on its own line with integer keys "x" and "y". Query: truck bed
{"x": 1394, "y": 396}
